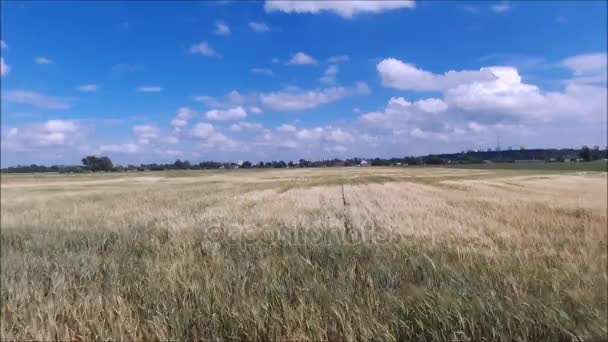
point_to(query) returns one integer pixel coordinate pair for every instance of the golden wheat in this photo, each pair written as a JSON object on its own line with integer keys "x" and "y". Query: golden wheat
{"x": 314, "y": 254}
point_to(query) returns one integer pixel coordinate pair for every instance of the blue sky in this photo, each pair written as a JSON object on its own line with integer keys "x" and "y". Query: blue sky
{"x": 156, "y": 81}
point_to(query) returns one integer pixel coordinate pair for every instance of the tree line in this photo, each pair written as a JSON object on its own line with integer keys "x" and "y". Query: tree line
{"x": 105, "y": 164}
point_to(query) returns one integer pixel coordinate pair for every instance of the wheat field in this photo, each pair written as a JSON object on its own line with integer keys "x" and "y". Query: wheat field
{"x": 428, "y": 254}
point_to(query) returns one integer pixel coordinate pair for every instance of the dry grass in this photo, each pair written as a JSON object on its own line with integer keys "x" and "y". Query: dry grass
{"x": 310, "y": 254}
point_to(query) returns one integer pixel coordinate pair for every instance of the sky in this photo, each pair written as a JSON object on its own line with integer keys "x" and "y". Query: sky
{"x": 146, "y": 82}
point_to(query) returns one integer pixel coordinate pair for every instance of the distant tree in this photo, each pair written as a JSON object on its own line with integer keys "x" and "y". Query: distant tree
{"x": 261, "y": 164}
{"x": 98, "y": 163}
{"x": 179, "y": 164}
{"x": 585, "y": 154}
{"x": 290, "y": 164}
{"x": 246, "y": 164}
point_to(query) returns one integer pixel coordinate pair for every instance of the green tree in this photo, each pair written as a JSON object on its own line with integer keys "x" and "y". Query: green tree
{"x": 585, "y": 154}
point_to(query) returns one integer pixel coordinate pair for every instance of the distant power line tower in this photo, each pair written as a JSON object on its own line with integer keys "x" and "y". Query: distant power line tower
{"x": 498, "y": 156}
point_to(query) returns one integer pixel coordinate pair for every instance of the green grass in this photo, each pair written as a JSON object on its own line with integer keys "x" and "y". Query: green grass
{"x": 582, "y": 166}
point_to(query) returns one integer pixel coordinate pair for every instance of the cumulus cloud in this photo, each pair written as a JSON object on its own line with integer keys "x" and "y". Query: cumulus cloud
{"x": 181, "y": 118}
{"x": 259, "y": 26}
{"x": 234, "y": 97}
{"x": 340, "y": 136}
{"x": 204, "y": 49}
{"x": 287, "y": 128}
{"x": 235, "y": 113}
{"x": 120, "y": 148}
{"x": 475, "y": 127}
{"x": 49, "y": 133}
{"x": 588, "y": 68}
{"x": 3, "y": 44}
{"x": 43, "y": 60}
{"x": 431, "y": 105}
{"x": 35, "y": 99}
{"x": 507, "y": 94}
{"x": 88, "y": 88}
{"x": 202, "y": 130}
{"x": 329, "y": 76}
{"x": 301, "y": 100}
{"x": 4, "y": 68}
{"x": 404, "y": 76}
{"x": 255, "y": 110}
{"x": 262, "y": 71}
{"x": 345, "y": 9}
{"x": 149, "y": 89}
{"x": 229, "y": 100}
{"x": 301, "y": 58}
{"x": 221, "y": 28}
{"x": 243, "y": 125}
{"x": 145, "y": 133}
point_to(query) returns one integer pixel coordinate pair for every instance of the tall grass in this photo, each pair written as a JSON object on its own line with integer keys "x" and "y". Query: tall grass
{"x": 421, "y": 262}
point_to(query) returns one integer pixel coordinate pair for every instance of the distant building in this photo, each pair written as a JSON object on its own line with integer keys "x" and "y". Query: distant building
{"x": 364, "y": 163}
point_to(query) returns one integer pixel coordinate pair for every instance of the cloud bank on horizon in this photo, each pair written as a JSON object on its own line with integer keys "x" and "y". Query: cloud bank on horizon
{"x": 298, "y": 79}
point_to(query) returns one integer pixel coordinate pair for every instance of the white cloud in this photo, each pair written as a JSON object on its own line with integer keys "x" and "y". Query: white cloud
{"x": 329, "y": 76}
{"x": 235, "y": 113}
{"x": 300, "y": 100}
{"x": 276, "y": 60}
{"x": 149, "y": 89}
{"x": 312, "y": 134}
{"x": 202, "y": 130}
{"x": 243, "y": 125}
{"x": 4, "y": 68}
{"x": 49, "y": 133}
{"x": 502, "y": 7}
{"x": 145, "y": 133}
{"x": 287, "y": 128}
{"x": 203, "y": 48}
{"x": 43, "y": 60}
{"x": 88, "y": 88}
{"x": 338, "y": 59}
{"x": 262, "y": 71}
{"x": 181, "y": 119}
{"x": 431, "y": 105}
{"x": 3, "y": 44}
{"x": 36, "y": 100}
{"x": 234, "y": 97}
{"x": 221, "y": 28}
{"x": 301, "y": 58}
{"x": 340, "y": 136}
{"x": 345, "y": 9}
{"x": 588, "y": 68}
{"x": 404, "y": 76}
{"x": 255, "y": 110}
{"x": 507, "y": 94}
{"x": 475, "y": 127}
{"x": 259, "y": 26}
{"x": 418, "y": 133}
{"x": 120, "y": 148}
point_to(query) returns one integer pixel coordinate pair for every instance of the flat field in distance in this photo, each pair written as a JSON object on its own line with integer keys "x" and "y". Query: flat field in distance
{"x": 429, "y": 254}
